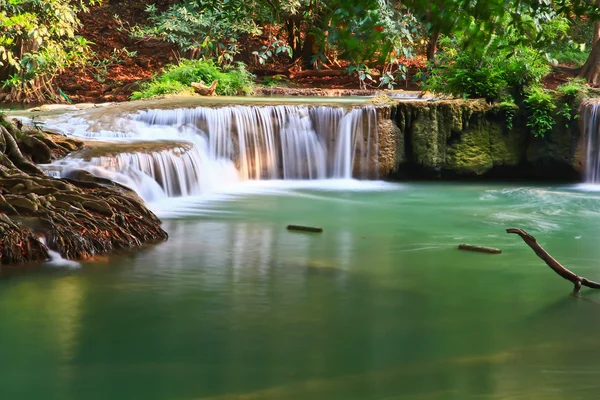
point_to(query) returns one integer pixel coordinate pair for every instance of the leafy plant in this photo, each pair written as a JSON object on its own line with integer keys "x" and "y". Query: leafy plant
{"x": 100, "y": 66}
{"x": 37, "y": 41}
{"x": 234, "y": 80}
{"x": 201, "y": 28}
{"x": 573, "y": 88}
{"x": 508, "y": 109}
{"x": 275, "y": 47}
{"x": 567, "y": 113}
{"x": 276, "y": 80}
{"x": 540, "y": 105}
{"x": 490, "y": 72}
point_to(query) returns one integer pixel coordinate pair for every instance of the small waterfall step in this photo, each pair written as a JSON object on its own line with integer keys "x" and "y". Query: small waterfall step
{"x": 189, "y": 151}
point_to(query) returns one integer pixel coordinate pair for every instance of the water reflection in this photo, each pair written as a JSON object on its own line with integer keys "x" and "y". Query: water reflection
{"x": 379, "y": 306}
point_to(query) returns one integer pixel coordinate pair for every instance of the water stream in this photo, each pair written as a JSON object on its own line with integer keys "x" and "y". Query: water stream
{"x": 381, "y": 305}
{"x": 591, "y": 130}
{"x": 219, "y": 146}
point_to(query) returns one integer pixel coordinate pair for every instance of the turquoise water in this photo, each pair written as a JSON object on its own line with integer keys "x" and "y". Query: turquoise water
{"x": 379, "y": 306}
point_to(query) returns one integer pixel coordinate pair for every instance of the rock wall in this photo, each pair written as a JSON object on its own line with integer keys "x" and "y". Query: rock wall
{"x": 452, "y": 139}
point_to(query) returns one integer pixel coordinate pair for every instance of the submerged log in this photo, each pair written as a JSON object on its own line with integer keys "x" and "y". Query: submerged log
{"x": 77, "y": 219}
{"x": 557, "y": 267}
{"x": 480, "y": 249}
{"x": 304, "y": 228}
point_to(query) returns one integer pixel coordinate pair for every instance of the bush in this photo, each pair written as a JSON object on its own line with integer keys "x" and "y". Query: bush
{"x": 525, "y": 67}
{"x": 466, "y": 76}
{"x": 178, "y": 78}
{"x": 573, "y": 88}
{"x": 570, "y": 56}
{"x": 540, "y": 105}
{"x": 489, "y": 74}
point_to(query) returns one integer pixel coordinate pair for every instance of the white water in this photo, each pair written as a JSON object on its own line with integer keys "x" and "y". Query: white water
{"x": 57, "y": 261}
{"x": 212, "y": 148}
{"x": 591, "y": 129}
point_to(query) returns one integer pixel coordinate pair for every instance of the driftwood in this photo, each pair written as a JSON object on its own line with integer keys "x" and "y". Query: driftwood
{"x": 202, "y": 89}
{"x": 304, "y": 228}
{"x": 480, "y": 249}
{"x": 577, "y": 280}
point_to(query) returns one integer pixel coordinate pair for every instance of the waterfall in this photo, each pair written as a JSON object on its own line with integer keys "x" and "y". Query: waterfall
{"x": 207, "y": 147}
{"x": 591, "y": 131}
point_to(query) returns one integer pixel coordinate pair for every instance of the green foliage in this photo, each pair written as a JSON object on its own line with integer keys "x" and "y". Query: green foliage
{"x": 567, "y": 113}
{"x": 275, "y": 47}
{"x": 571, "y": 44}
{"x": 204, "y": 28}
{"x": 37, "y": 41}
{"x": 522, "y": 67}
{"x": 489, "y": 72}
{"x": 160, "y": 88}
{"x": 573, "y": 88}
{"x": 276, "y": 80}
{"x": 100, "y": 66}
{"x": 540, "y": 105}
{"x": 508, "y": 108}
{"x": 178, "y": 78}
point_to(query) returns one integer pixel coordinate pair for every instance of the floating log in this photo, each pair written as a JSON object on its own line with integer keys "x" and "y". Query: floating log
{"x": 577, "y": 280}
{"x": 479, "y": 249}
{"x": 304, "y": 228}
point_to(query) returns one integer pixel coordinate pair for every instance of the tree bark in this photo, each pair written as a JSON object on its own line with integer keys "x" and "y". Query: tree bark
{"x": 308, "y": 50}
{"x": 577, "y": 280}
{"x": 432, "y": 45}
{"x": 591, "y": 69}
{"x": 596, "y": 28}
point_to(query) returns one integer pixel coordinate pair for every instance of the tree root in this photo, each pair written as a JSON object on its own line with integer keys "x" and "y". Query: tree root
{"x": 77, "y": 218}
{"x": 578, "y": 281}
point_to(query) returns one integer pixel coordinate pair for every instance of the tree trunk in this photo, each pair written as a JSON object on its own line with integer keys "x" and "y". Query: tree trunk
{"x": 432, "y": 45}
{"x": 308, "y": 50}
{"x": 291, "y": 32}
{"x": 596, "y": 28}
{"x": 591, "y": 69}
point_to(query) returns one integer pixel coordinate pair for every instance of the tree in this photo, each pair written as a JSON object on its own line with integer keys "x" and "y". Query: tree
{"x": 37, "y": 41}
{"x": 306, "y": 30}
{"x": 524, "y": 19}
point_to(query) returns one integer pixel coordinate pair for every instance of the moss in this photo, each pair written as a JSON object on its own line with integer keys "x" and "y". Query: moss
{"x": 472, "y": 153}
{"x": 458, "y": 136}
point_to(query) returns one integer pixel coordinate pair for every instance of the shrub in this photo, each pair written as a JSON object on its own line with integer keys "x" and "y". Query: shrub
{"x": 525, "y": 67}
{"x": 489, "y": 73}
{"x": 235, "y": 80}
{"x": 540, "y": 105}
{"x": 573, "y": 88}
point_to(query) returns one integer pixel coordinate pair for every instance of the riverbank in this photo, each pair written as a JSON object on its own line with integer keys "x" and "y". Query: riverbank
{"x": 78, "y": 217}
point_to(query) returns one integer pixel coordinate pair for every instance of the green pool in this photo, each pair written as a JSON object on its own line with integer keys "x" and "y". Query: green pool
{"x": 381, "y": 306}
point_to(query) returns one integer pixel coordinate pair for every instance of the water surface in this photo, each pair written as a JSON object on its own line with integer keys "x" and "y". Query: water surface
{"x": 379, "y": 306}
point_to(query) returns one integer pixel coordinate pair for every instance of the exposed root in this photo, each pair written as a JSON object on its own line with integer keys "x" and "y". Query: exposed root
{"x": 77, "y": 218}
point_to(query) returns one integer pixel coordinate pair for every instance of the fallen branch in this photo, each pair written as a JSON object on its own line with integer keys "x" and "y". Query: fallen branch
{"x": 577, "y": 280}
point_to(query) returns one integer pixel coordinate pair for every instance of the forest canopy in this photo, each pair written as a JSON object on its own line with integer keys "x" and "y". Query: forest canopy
{"x": 375, "y": 40}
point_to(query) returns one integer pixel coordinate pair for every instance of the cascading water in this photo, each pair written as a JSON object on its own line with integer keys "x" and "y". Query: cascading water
{"x": 207, "y": 147}
{"x": 591, "y": 129}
